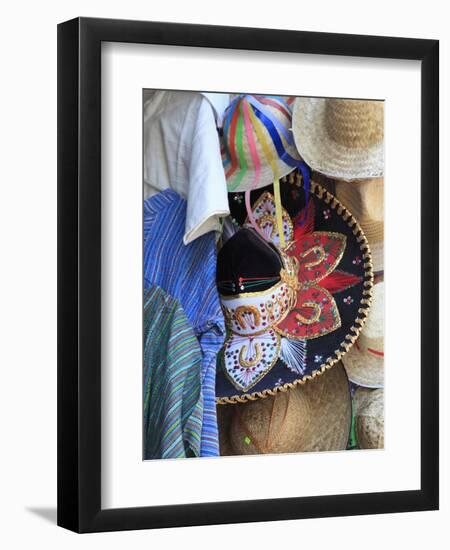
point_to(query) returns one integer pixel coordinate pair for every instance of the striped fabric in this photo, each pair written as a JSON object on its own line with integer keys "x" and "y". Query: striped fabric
{"x": 187, "y": 273}
{"x": 173, "y": 403}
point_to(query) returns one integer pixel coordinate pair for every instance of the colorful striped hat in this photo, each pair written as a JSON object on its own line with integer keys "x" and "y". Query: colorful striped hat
{"x": 258, "y": 146}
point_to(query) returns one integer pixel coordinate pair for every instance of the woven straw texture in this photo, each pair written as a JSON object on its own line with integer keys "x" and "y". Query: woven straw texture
{"x": 365, "y": 200}
{"x": 363, "y": 366}
{"x": 340, "y": 138}
{"x": 314, "y": 417}
{"x": 369, "y": 419}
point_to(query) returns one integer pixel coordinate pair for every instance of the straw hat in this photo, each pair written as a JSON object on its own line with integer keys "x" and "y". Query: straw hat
{"x": 364, "y": 363}
{"x": 365, "y": 200}
{"x": 342, "y": 138}
{"x": 315, "y": 417}
{"x": 369, "y": 418}
{"x": 256, "y": 134}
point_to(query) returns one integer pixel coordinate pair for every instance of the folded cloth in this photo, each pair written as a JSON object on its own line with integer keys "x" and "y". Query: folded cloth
{"x": 188, "y": 274}
{"x": 182, "y": 152}
{"x": 173, "y": 402}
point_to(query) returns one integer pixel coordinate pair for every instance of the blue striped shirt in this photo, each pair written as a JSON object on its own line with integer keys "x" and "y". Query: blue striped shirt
{"x": 188, "y": 273}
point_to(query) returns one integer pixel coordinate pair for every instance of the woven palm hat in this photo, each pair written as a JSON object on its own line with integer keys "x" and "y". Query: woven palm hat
{"x": 369, "y": 418}
{"x": 364, "y": 363}
{"x": 341, "y": 138}
{"x": 257, "y": 142}
{"x": 314, "y": 417}
{"x": 365, "y": 200}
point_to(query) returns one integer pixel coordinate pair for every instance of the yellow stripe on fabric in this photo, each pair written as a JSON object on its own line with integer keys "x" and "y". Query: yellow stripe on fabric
{"x": 258, "y": 125}
{"x": 238, "y": 146}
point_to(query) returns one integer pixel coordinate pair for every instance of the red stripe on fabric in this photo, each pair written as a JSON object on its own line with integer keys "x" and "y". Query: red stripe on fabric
{"x": 375, "y": 352}
{"x": 370, "y": 350}
{"x": 278, "y": 106}
{"x": 232, "y": 141}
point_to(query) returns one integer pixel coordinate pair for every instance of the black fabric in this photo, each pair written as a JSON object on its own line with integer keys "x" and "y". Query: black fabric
{"x": 348, "y": 300}
{"x": 246, "y": 254}
{"x": 292, "y": 198}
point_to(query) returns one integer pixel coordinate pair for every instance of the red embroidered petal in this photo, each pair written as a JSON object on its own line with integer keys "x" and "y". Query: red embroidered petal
{"x": 315, "y": 314}
{"x": 318, "y": 254}
{"x": 339, "y": 280}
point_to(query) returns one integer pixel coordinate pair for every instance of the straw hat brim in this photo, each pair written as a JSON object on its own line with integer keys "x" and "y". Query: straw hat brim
{"x": 364, "y": 368}
{"x": 323, "y": 154}
{"x": 373, "y": 229}
{"x": 324, "y": 424}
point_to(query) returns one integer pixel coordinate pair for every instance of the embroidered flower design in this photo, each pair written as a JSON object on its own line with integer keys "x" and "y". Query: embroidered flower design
{"x": 348, "y": 300}
{"x": 279, "y": 382}
{"x": 238, "y": 198}
{"x": 318, "y": 358}
{"x": 356, "y": 261}
{"x": 327, "y": 214}
{"x": 313, "y": 257}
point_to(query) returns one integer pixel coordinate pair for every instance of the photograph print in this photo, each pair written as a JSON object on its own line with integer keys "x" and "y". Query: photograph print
{"x": 263, "y": 277}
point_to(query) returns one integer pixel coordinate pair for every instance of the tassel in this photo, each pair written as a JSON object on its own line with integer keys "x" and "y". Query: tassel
{"x": 339, "y": 281}
{"x": 293, "y": 354}
{"x": 304, "y": 221}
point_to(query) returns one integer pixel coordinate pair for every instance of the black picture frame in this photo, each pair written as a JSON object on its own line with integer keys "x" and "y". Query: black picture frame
{"x": 79, "y": 274}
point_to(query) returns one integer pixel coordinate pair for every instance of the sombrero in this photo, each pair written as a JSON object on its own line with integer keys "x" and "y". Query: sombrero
{"x": 364, "y": 363}
{"x": 328, "y": 277}
{"x": 369, "y": 418}
{"x": 365, "y": 200}
{"x": 313, "y": 417}
{"x": 341, "y": 138}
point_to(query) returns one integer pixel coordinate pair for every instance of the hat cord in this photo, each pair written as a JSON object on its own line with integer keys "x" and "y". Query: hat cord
{"x": 255, "y": 114}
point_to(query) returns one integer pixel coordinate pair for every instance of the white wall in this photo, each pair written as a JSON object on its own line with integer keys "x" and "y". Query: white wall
{"x": 28, "y": 274}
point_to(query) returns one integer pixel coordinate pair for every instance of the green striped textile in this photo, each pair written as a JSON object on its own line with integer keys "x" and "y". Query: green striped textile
{"x": 173, "y": 403}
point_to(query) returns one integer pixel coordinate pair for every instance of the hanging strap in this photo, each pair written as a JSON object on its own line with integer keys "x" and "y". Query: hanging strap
{"x": 257, "y": 125}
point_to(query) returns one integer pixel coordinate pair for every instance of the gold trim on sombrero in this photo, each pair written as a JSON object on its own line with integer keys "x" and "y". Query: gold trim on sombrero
{"x": 337, "y": 317}
{"x": 254, "y": 312}
{"x": 346, "y": 344}
{"x": 320, "y": 250}
{"x": 270, "y": 216}
{"x": 243, "y": 368}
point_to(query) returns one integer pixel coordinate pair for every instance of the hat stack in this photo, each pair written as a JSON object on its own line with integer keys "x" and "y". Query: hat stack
{"x": 313, "y": 417}
{"x": 368, "y": 410}
{"x": 343, "y": 139}
{"x": 302, "y": 334}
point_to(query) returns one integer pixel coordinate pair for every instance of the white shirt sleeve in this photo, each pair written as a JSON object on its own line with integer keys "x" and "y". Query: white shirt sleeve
{"x": 182, "y": 151}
